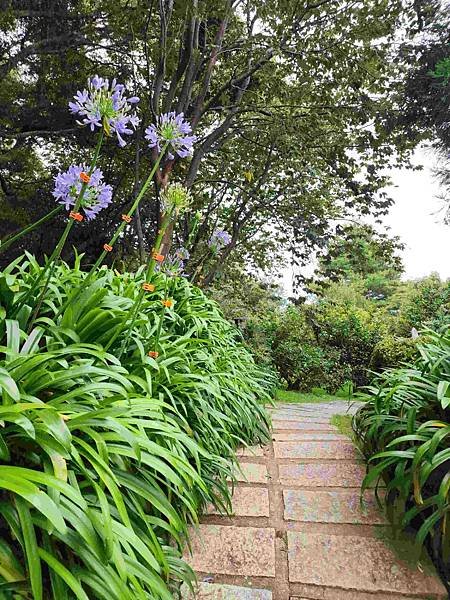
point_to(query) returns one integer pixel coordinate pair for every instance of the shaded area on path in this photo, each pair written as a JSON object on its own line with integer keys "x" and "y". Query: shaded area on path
{"x": 298, "y": 530}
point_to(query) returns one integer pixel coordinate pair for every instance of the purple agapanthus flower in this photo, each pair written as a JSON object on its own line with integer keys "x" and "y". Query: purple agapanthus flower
{"x": 97, "y": 195}
{"x": 174, "y": 129}
{"x": 105, "y": 105}
{"x": 174, "y": 263}
{"x": 219, "y": 239}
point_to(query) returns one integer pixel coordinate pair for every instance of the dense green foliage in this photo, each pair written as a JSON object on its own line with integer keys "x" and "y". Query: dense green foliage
{"x": 422, "y": 302}
{"x": 108, "y": 455}
{"x": 404, "y": 432}
{"x": 360, "y": 253}
{"x": 344, "y": 335}
{"x": 269, "y": 86}
{"x": 426, "y": 93}
{"x": 359, "y": 320}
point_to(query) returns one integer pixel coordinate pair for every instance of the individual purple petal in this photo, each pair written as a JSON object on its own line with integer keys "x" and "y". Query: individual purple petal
{"x": 134, "y": 120}
{"x": 122, "y": 142}
{"x": 74, "y": 108}
{"x": 96, "y": 82}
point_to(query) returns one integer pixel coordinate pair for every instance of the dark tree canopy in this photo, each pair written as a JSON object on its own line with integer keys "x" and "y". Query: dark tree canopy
{"x": 426, "y": 95}
{"x": 360, "y": 252}
{"x": 292, "y": 103}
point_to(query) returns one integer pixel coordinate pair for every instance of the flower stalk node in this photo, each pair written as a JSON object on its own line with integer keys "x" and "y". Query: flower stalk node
{"x": 148, "y": 287}
{"x": 76, "y": 216}
{"x": 85, "y": 178}
{"x": 157, "y": 257}
{"x": 126, "y": 218}
{"x": 153, "y": 354}
{"x": 107, "y": 248}
{"x": 167, "y": 303}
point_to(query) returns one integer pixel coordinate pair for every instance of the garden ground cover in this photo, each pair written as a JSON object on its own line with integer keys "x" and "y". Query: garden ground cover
{"x": 403, "y": 430}
{"x": 295, "y": 397}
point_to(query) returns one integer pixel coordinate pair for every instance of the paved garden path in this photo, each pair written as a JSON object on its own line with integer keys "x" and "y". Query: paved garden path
{"x": 298, "y": 531}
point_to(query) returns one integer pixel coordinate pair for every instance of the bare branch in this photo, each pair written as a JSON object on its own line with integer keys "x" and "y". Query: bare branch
{"x": 198, "y": 105}
{"x": 165, "y": 11}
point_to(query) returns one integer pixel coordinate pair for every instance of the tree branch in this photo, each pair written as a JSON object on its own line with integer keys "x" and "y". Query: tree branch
{"x": 197, "y": 110}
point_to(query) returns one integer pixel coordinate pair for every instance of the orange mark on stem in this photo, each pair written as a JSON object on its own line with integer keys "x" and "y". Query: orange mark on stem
{"x": 85, "y": 178}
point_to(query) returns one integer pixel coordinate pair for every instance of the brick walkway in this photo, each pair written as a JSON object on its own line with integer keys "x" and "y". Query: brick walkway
{"x": 298, "y": 531}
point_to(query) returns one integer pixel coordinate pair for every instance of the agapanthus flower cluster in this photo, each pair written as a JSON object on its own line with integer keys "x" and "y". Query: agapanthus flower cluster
{"x": 219, "y": 239}
{"x": 174, "y": 129}
{"x": 105, "y": 105}
{"x": 97, "y": 194}
{"x": 174, "y": 263}
{"x": 175, "y": 199}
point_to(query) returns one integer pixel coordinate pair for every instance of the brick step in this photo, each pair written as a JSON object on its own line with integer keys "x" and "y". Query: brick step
{"x": 304, "y": 425}
{"x": 337, "y": 450}
{"x": 301, "y": 436}
{"x": 341, "y": 474}
{"x": 341, "y": 506}
{"x": 230, "y": 550}
{"x": 356, "y": 563}
{"x": 220, "y": 591}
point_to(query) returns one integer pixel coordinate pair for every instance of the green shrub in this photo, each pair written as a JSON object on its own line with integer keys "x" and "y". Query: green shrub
{"x": 107, "y": 453}
{"x": 324, "y": 345}
{"x": 422, "y": 303}
{"x": 392, "y": 351}
{"x": 304, "y": 366}
{"x": 404, "y": 432}
{"x": 254, "y": 306}
{"x": 352, "y": 332}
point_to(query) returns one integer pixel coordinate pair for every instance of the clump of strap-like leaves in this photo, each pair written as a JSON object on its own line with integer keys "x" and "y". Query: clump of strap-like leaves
{"x": 106, "y": 461}
{"x": 404, "y": 432}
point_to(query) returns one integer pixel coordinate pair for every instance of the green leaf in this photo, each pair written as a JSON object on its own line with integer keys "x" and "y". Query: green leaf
{"x": 39, "y": 499}
{"x": 64, "y": 574}
{"x": 10, "y": 567}
{"x": 4, "y": 450}
{"x": 12, "y": 336}
{"x": 442, "y": 396}
{"x": 30, "y": 549}
{"x": 8, "y": 384}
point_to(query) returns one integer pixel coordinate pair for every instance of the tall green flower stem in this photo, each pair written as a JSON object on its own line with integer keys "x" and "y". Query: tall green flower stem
{"x": 54, "y": 257}
{"x": 199, "y": 267}
{"x": 148, "y": 277}
{"x": 6, "y": 242}
{"x": 167, "y": 289}
{"x": 117, "y": 233}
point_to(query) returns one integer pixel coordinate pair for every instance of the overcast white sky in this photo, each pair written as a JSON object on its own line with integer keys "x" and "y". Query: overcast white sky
{"x": 418, "y": 219}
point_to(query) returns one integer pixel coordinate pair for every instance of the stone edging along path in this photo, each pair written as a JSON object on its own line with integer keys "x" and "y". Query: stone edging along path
{"x": 298, "y": 531}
